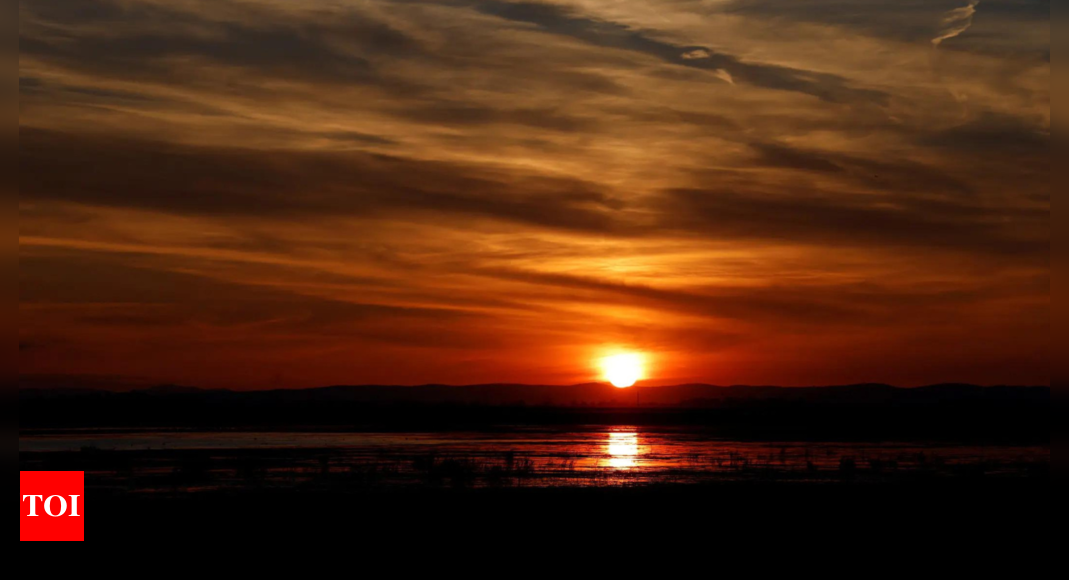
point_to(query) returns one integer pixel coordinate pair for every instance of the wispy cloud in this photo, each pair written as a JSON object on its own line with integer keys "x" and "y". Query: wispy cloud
{"x": 956, "y": 22}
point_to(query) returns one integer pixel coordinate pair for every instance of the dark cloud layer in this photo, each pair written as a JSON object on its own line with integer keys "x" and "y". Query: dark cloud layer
{"x": 558, "y": 20}
{"x": 205, "y": 181}
{"x": 876, "y": 174}
{"x": 175, "y": 178}
{"x": 907, "y": 20}
{"x": 852, "y": 222}
{"x": 992, "y": 135}
{"x": 255, "y": 37}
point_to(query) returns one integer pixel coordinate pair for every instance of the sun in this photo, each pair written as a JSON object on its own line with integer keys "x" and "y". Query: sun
{"x": 623, "y": 370}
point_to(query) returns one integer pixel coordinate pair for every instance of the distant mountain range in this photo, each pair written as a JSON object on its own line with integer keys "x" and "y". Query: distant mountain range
{"x": 584, "y": 395}
{"x": 1018, "y": 415}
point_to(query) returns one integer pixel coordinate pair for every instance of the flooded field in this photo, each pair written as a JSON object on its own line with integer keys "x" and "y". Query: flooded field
{"x": 621, "y": 456}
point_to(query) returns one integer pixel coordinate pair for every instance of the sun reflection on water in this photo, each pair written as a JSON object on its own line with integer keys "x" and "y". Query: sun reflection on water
{"x": 623, "y": 450}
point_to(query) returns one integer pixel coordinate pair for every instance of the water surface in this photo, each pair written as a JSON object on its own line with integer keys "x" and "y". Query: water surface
{"x": 620, "y": 455}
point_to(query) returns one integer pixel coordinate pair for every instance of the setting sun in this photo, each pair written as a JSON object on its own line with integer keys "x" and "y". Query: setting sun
{"x": 623, "y": 370}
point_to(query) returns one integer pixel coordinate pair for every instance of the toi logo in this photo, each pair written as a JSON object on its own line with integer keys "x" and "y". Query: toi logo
{"x": 53, "y": 506}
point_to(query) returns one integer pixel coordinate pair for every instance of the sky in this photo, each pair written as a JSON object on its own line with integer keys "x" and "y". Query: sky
{"x": 268, "y": 193}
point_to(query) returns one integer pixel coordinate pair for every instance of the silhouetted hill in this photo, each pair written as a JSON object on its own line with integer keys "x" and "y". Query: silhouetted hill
{"x": 842, "y": 412}
{"x": 585, "y": 395}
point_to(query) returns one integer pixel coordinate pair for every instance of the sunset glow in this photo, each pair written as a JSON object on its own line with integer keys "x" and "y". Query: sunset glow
{"x": 295, "y": 194}
{"x": 624, "y": 370}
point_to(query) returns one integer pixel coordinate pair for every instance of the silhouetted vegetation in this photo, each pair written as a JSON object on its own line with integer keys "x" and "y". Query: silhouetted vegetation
{"x": 345, "y": 470}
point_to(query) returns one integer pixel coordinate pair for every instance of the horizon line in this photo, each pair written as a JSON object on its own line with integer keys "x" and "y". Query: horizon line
{"x": 165, "y": 386}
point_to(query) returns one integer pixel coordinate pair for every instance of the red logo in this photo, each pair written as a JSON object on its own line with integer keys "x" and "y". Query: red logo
{"x": 53, "y": 506}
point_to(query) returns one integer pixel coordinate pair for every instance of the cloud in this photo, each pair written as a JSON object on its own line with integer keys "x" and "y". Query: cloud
{"x": 907, "y": 20}
{"x": 563, "y": 21}
{"x": 956, "y": 22}
{"x": 791, "y": 158}
{"x": 793, "y": 216}
{"x": 1015, "y": 29}
{"x": 725, "y": 76}
{"x": 200, "y": 180}
{"x": 787, "y": 305}
{"x": 1013, "y": 139}
{"x": 931, "y": 207}
{"x": 158, "y": 38}
{"x": 151, "y": 295}
{"x": 751, "y": 304}
{"x": 874, "y": 174}
{"x": 343, "y": 188}
{"x": 461, "y": 115}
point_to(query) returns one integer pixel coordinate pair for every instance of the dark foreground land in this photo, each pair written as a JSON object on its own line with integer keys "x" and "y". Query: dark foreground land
{"x": 950, "y": 514}
{"x": 307, "y": 493}
{"x": 934, "y": 466}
